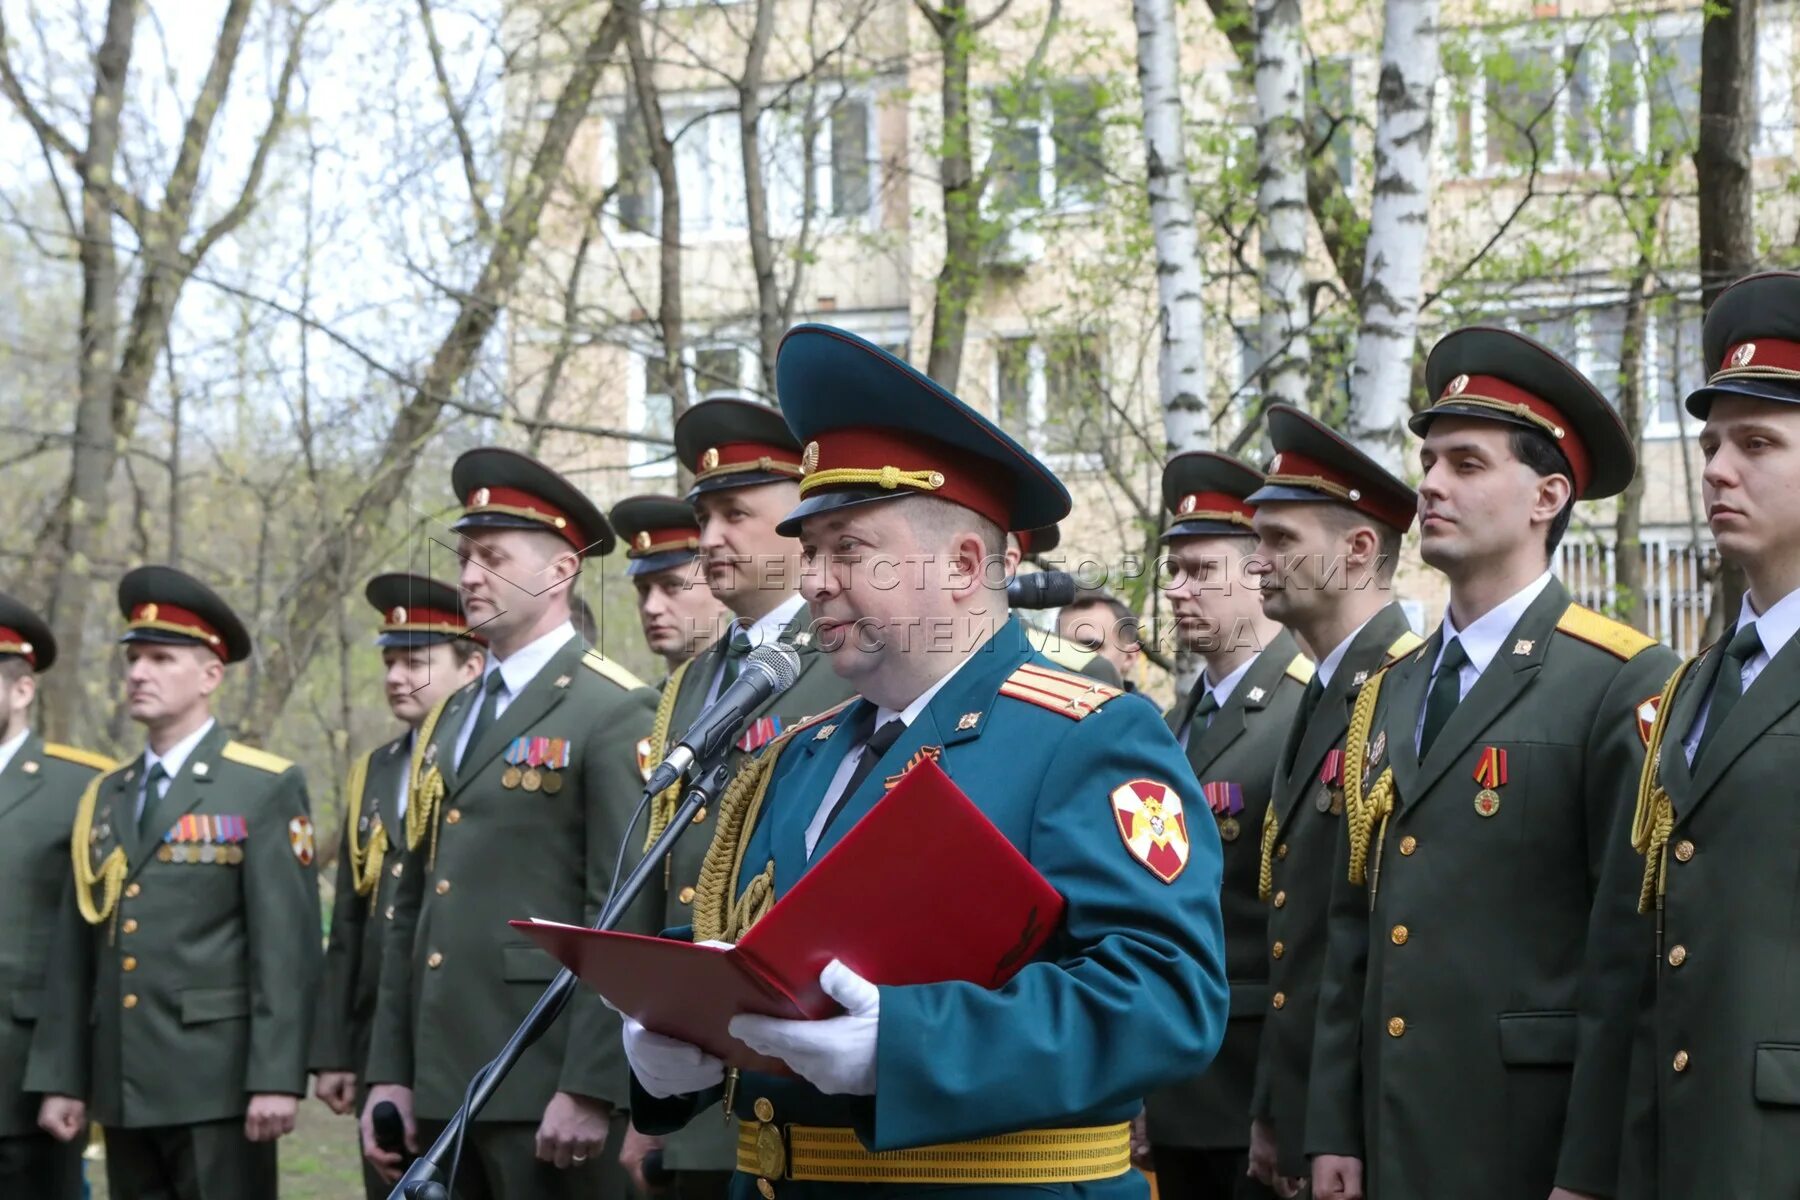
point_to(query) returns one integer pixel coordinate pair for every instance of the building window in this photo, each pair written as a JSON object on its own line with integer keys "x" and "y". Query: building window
{"x": 651, "y": 411}
{"x": 1047, "y": 148}
{"x": 1050, "y": 392}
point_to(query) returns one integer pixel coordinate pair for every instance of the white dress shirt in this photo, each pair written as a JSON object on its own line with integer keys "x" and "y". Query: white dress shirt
{"x": 11, "y": 748}
{"x": 172, "y": 761}
{"x": 406, "y": 772}
{"x": 1481, "y": 641}
{"x": 762, "y": 631}
{"x": 841, "y": 779}
{"x": 517, "y": 670}
{"x": 1774, "y": 629}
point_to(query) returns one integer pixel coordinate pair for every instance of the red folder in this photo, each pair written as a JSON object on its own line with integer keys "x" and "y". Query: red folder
{"x": 922, "y": 890}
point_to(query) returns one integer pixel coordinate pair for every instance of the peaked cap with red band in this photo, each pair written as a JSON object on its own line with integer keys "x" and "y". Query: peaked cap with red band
{"x": 1752, "y": 342}
{"x": 659, "y": 532}
{"x": 1495, "y": 374}
{"x": 24, "y": 634}
{"x": 728, "y": 442}
{"x": 1206, "y": 492}
{"x": 417, "y": 610}
{"x": 1314, "y": 462}
{"x": 172, "y": 608}
{"x": 503, "y": 489}
{"x": 875, "y": 428}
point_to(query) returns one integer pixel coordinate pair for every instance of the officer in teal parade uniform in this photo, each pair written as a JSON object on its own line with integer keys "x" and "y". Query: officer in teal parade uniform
{"x": 1045, "y": 1072}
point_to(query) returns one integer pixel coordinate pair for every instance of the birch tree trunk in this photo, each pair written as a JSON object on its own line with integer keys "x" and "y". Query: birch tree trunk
{"x": 1181, "y": 363}
{"x": 1281, "y": 198}
{"x": 1399, "y": 224}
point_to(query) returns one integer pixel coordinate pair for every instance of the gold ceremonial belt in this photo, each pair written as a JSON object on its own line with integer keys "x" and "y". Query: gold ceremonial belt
{"x": 812, "y": 1153}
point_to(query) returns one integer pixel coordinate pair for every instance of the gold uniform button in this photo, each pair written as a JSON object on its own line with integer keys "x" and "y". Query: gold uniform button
{"x": 1396, "y": 1026}
{"x": 133, "y": 890}
{"x": 389, "y": 914}
{"x": 130, "y": 924}
{"x": 1279, "y": 999}
{"x": 1399, "y": 935}
{"x": 1281, "y": 850}
{"x": 686, "y": 895}
{"x": 453, "y": 816}
{"x": 700, "y": 817}
{"x": 443, "y": 885}
{"x": 130, "y": 1000}
{"x": 1677, "y": 955}
{"x": 1277, "y": 950}
{"x": 1281, "y": 899}
{"x": 1408, "y": 844}
{"x": 1681, "y": 1060}
{"x": 765, "y": 1189}
{"x": 764, "y": 1109}
{"x": 435, "y": 960}
{"x": 130, "y": 964}
{"x": 1684, "y": 850}
{"x": 396, "y": 871}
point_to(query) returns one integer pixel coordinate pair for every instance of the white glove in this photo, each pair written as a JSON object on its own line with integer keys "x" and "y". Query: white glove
{"x": 836, "y": 1055}
{"x": 666, "y": 1067}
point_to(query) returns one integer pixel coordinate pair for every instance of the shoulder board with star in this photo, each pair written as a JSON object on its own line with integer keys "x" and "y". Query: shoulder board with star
{"x": 606, "y": 668}
{"x": 1301, "y": 669}
{"x": 73, "y": 754}
{"x": 1073, "y": 696}
{"x": 1617, "y": 639}
{"x": 250, "y": 756}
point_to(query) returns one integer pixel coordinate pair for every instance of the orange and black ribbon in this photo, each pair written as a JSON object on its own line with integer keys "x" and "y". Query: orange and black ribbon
{"x": 1490, "y": 768}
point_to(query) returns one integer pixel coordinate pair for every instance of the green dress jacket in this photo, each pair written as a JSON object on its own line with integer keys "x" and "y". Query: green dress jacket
{"x": 1300, "y": 848}
{"x": 1235, "y": 757}
{"x": 1713, "y": 1107}
{"x": 1460, "y": 1048}
{"x": 374, "y": 836}
{"x": 455, "y": 978}
{"x": 38, "y": 792}
{"x": 712, "y": 1145}
{"x": 193, "y": 989}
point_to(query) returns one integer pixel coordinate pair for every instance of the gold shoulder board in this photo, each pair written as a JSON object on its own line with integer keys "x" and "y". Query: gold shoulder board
{"x": 1301, "y": 669}
{"x": 250, "y": 756}
{"x": 1619, "y": 640}
{"x": 606, "y": 668}
{"x": 1404, "y": 645}
{"x": 1074, "y": 696}
{"x": 86, "y": 758}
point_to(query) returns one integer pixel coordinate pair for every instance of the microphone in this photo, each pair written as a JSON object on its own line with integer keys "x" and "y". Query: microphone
{"x": 1041, "y": 589}
{"x": 390, "y": 1130}
{"x": 769, "y": 670}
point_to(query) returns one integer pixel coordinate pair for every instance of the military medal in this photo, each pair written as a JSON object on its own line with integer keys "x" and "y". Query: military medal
{"x": 517, "y": 751}
{"x": 1226, "y": 801}
{"x": 165, "y": 853}
{"x": 509, "y": 778}
{"x": 1490, "y": 773}
{"x": 551, "y": 755}
{"x": 531, "y": 780}
{"x": 1331, "y": 783}
{"x": 923, "y": 754}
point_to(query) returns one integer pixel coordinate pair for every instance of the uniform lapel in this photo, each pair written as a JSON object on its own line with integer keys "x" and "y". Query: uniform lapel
{"x": 696, "y": 681}
{"x": 1182, "y": 713}
{"x": 1404, "y": 687}
{"x": 1676, "y": 776}
{"x": 1252, "y": 695}
{"x": 792, "y": 634}
{"x": 1331, "y": 719}
{"x": 1514, "y": 667}
{"x": 804, "y": 788}
{"x": 1771, "y": 697}
{"x": 545, "y": 691}
{"x": 390, "y": 765}
{"x": 22, "y": 774}
{"x": 185, "y": 792}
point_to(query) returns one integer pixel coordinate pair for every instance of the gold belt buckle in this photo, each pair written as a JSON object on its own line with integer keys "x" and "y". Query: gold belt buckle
{"x": 771, "y": 1152}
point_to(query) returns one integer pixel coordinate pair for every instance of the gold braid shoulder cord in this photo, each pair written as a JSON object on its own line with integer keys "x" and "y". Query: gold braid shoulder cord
{"x": 110, "y": 874}
{"x": 1364, "y": 812}
{"x": 1654, "y": 819}
{"x": 365, "y": 857}
{"x": 427, "y": 788}
{"x": 663, "y": 806}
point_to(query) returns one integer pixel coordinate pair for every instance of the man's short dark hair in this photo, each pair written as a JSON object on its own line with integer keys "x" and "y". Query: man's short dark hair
{"x": 1535, "y": 449}
{"x": 1341, "y": 518}
{"x": 13, "y": 668}
{"x": 465, "y": 648}
{"x": 1124, "y": 624}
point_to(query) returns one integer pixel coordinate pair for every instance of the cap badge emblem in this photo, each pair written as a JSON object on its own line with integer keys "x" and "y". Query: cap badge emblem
{"x": 1743, "y": 354}
{"x": 1457, "y": 386}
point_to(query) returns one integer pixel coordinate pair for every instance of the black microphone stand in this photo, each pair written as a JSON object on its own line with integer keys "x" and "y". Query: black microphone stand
{"x": 424, "y": 1180}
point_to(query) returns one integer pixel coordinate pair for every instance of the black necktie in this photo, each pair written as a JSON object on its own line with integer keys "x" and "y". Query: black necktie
{"x": 495, "y": 683}
{"x": 153, "y": 779}
{"x": 1728, "y": 689}
{"x": 1446, "y": 693}
{"x": 1201, "y": 718}
{"x": 737, "y": 649}
{"x": 1309, "y": 704}
{"x": 875, "y": 743}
